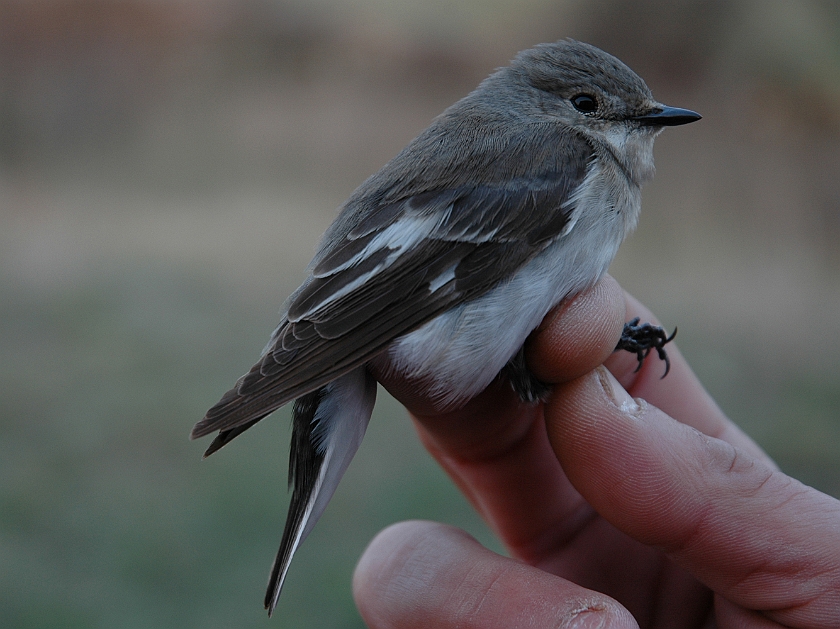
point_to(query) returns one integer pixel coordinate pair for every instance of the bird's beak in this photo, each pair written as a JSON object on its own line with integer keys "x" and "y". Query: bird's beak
{"x": 663, "y": 116}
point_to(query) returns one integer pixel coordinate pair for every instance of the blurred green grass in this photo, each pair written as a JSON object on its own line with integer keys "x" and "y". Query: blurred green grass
{"x": 108, "y": 516}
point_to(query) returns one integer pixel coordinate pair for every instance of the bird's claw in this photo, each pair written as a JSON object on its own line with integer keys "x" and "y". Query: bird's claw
{"x": 640, "y": 339}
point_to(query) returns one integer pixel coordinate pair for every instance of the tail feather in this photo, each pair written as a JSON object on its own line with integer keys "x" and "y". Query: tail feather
{"x": 328, "y": 427}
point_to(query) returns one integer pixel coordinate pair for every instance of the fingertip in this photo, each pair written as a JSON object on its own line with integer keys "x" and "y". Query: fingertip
{"x": 578, "y": 335}
{"x": 424, "y": 574}
{"x": 386, "y": 557}
{"x": 639, "y": 468}
{"x": 591, "y": 427}
{"x": 628, "y": 459}
{"x": 679, "y": 392}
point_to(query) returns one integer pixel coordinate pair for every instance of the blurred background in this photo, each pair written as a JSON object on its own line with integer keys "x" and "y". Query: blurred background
{"x": 166, "y": 168}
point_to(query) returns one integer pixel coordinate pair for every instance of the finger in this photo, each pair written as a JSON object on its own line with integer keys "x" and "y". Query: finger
{"x": 757, "y": 537}
{"x": 423, "y": 574}
{"x": 680, "y": 394}
{"x": 496, "y": 448}
{"x": 731, "y": 616}
{"x": 577, "y": 337}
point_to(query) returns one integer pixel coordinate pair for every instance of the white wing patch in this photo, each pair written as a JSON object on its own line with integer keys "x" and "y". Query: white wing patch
{"x": 443, "y": 279}
{"x": 399, "y": 237}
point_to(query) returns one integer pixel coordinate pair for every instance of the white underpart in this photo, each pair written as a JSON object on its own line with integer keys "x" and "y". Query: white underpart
{"x": 617, "y": 136}
{"x": 461, "y": 351}
{"x": 634, "y": 147}
{"x": 340, "y": 423}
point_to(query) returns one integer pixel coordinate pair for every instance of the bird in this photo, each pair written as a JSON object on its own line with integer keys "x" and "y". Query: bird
{"x": 439, "y": 266}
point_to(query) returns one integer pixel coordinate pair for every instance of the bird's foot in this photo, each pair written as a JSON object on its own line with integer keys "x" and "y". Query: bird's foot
{"x": 640, "y": 339}
{"x": 527, "y": 386}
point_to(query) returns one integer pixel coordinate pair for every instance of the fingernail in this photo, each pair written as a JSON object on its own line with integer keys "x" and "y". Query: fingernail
{"x": 616, "y": 392}
{"x": 600, "y": 615}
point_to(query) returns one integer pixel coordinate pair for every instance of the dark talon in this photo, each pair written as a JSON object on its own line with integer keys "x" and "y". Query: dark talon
{"x": 640, "y": 339}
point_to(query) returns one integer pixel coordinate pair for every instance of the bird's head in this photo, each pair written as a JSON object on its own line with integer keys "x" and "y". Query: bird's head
{"x": 599, "y": 97}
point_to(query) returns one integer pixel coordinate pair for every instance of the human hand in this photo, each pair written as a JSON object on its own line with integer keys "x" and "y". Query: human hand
{"x": 615, "y": 514}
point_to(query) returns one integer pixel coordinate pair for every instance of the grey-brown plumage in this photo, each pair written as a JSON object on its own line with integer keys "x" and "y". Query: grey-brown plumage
{"x": 441, "y": 264}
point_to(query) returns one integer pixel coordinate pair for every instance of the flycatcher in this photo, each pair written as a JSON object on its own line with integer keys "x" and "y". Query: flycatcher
{"x": 439, "y": 266}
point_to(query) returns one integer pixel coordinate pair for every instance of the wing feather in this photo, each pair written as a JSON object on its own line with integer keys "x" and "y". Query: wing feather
{"x": 360, "y": 298}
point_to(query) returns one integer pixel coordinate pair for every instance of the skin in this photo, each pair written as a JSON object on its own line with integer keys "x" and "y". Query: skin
{"x": 624, "y": 501}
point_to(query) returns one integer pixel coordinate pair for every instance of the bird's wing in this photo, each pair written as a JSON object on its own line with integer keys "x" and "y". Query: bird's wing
{"x": 402, "y": 265}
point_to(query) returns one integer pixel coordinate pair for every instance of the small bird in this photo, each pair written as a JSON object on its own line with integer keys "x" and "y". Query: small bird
{"x": 439, "y": 266}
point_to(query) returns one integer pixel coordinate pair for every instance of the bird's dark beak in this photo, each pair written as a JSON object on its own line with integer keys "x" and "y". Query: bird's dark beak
{"x": 667, "y": 117}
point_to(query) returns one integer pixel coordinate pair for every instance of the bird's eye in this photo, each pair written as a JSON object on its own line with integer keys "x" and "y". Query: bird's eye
{"x": 585, "y": 103}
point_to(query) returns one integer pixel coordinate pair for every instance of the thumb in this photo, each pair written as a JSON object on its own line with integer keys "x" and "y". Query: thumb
{"x": 747, "y": 531}
{"x": 423, "y": 574}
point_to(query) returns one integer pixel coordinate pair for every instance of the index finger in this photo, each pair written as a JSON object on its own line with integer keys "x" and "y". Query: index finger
{"x": 680, "y": 394}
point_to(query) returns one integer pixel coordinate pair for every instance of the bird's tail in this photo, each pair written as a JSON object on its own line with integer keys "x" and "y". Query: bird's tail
{"x": 328, "y": 427}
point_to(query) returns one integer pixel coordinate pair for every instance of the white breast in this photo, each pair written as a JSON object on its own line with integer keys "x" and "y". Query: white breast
{"x": 460, "y": 352}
